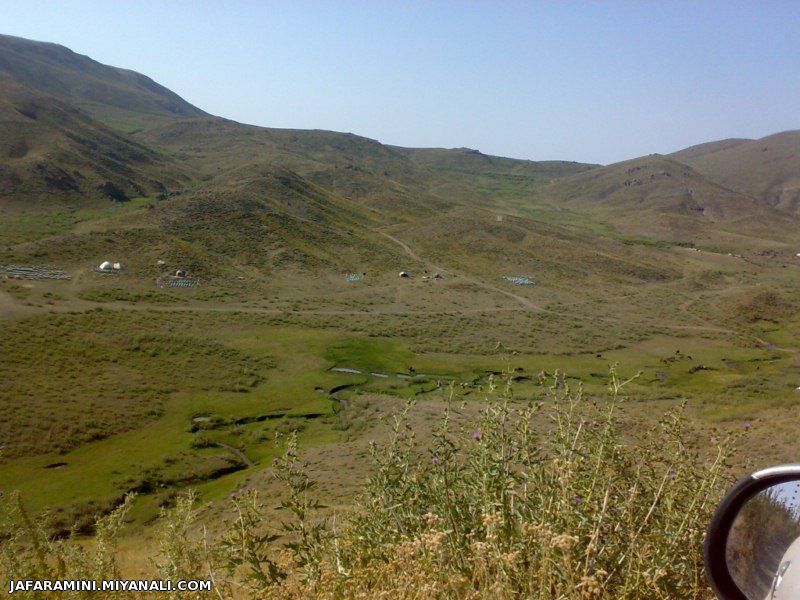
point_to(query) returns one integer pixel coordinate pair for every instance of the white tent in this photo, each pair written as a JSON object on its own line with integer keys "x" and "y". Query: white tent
{"x": 117, "y": 266}
{"x": 105, "y": 266}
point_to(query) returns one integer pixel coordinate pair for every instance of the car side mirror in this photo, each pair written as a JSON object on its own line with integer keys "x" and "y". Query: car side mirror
{"x": 752, "y": 547}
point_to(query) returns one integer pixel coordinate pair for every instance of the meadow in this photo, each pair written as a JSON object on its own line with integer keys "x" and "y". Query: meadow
{"x": 148, "y": 414}
{"x": 108, "y": 401}
{"x": 472, "y": 499}
{"x": 257, "y": 395}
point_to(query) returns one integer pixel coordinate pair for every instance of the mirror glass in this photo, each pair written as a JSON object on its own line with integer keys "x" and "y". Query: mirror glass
{"x": 763, "y": 547}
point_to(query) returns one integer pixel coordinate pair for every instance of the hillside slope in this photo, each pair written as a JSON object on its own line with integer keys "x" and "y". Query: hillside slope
{"x": 116, "y": 96}
{"x": 236, "y": 196}
{"x": 399, "y": 183}
{"x": 661, "y": 198}
{"x": 377, "y": 176}
{"x": 50, "y": 153}
{"x": 767, "y": 169}
{"x": 699, "y": 150}
{"x": 475, "y": 161}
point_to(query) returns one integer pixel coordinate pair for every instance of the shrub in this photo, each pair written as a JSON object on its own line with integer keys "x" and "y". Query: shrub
{"x": 504, "y": 512}
{"x": 27, "y": 552}
{"x": 500, "y": 509}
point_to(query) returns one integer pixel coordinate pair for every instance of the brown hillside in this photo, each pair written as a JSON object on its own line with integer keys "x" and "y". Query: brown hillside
{"x": 694, "y": 152}
{"x": 117, "y": 96}
{"x": 767, "y": 169}
{"x": 52, "y": 152}
{"x": 661, "y": 198}
{"x": 378, "y": 177}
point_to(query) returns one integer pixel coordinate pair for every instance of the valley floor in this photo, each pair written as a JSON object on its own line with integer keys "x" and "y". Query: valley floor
{"x": 103, "y": 396}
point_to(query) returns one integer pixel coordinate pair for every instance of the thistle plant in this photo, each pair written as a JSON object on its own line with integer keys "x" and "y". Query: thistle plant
{"x": 511, "y": 509}
{"x": 28, "y": 551}
{"x": 542, "y": 500}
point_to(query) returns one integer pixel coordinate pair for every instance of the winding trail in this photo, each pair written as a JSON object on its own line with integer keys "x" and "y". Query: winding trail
{"x": 527, "y": 304}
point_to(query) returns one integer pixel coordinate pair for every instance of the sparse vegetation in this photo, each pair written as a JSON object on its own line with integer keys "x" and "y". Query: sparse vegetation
{"x": 129, "y": 411}
{"x": 488, "y": 509}
{"x": 766, "y": 306}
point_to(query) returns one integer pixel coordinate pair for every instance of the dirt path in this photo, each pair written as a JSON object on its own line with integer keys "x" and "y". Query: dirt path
{"x": 11, "y": 307}
{"x": 238, "y": 453}
{"x": 525, "y": 302}
{"x": 771, "y": 346}
{"x": 684, "y": 307}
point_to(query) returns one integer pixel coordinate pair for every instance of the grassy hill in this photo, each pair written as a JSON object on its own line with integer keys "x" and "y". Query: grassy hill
{"x": 767, "y": 169}
{"x": 54, "y": 154}
{"x": 377, "y": 176}
{"x": 699, "y": 150}
{"x": 660, "y": 198}
{"x": 467, "y": 160}
{"x": 116, "y": 96}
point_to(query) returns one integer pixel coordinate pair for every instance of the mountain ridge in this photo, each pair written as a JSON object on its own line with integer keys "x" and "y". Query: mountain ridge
{"x": 203, "y": 164}
{"x": 108, "y": 93}
{"x": 767, "y": 168}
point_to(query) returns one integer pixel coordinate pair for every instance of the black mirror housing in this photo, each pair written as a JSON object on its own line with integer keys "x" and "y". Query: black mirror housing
{"x": 714, "y": 551}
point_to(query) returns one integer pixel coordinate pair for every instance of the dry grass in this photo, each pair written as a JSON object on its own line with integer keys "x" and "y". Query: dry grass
{"x": 489, "y": 508}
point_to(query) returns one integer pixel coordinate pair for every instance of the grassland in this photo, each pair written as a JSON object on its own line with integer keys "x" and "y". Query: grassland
{"x": 22, "y": 226}
{"x": 116, "y": 383}
{"x": 113, "y": 385}
{"x": 106, "y": 366}
{"x": 110, "y": 396}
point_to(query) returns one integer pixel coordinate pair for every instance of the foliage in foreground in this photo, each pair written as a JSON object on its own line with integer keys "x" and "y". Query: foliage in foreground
{"x": 497, "y": 510}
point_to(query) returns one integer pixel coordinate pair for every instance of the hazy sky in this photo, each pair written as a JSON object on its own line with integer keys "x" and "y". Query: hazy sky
{"x": 588, "y": 81}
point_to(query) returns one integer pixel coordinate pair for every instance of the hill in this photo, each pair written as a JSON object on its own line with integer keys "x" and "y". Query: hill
{"x": 699, "y": 150}
{"x": 475, "y": 161}
{"x": 767, "y": 169}
{"x": 259, "y": 294}
{"x": 316, "y": 198}
{"x": 377, "y": 176}
{"x": 53, "y": 153}
{"x": 396, "y": 182}
{"x": 388, "y": 182}
{"x": 116, "y": 96}
{"x": 658, "y": 197}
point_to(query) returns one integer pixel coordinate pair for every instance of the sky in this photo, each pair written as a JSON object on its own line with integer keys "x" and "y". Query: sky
{"x": 588, "y": 81}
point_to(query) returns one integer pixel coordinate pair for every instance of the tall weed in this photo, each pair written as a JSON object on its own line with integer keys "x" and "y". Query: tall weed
{"x": 504, "y": 508}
